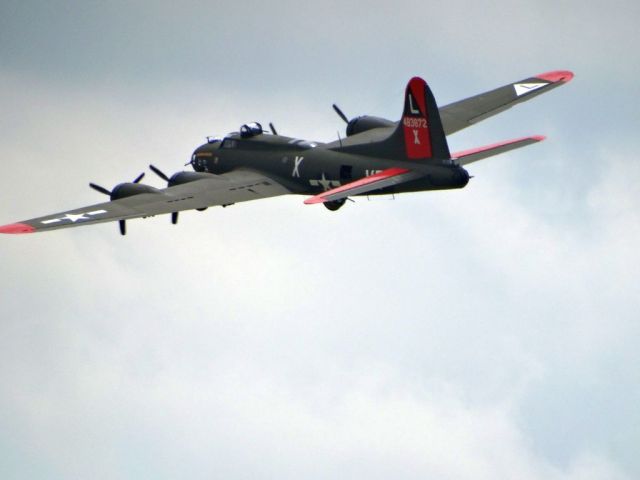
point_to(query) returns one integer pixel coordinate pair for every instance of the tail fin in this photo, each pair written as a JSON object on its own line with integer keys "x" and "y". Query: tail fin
{"x": 419, "y": 134}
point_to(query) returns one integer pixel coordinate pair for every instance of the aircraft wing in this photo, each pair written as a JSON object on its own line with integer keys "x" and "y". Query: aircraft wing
{"x": 465, "y": 113}
{"x": 207, "y": 191}
{"x": 383, "y": 179}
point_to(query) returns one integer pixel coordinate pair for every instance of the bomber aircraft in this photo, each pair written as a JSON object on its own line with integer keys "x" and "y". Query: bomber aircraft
{"x": 377, "y": 157}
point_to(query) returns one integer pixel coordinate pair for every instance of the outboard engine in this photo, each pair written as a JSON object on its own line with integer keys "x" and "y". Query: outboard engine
{"x": 367, "y": 122}
{"x": 362, "y": 124}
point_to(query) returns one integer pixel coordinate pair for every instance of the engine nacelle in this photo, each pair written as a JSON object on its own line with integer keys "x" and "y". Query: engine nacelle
{"x": 367, "y": 122}
{"x": 186, "y": 177}
{"x": 124, "y": 190}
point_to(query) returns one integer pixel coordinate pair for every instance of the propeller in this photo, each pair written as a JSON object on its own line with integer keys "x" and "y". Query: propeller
{"x": 341, "y": 113}
{"x": 121, "y": 223}
{"x": 100, "y": 189}
{"x": 273, "y": 129}
{"x": 161, "y": 174}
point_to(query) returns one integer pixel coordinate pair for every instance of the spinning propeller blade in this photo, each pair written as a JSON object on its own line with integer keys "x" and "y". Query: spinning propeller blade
{"x": 159, "y": 172}
{"x": 340, "y": 113}
{"x": 100, "y": 189}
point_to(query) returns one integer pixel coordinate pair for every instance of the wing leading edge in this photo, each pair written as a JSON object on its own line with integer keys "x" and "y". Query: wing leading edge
{"x": 233, "y": 187}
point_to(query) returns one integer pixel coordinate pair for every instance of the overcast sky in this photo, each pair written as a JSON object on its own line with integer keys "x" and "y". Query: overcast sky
{"x": 485, "y": 333}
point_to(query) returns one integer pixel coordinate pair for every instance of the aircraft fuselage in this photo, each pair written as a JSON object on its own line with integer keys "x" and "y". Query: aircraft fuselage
{"x": 309, "y": 168}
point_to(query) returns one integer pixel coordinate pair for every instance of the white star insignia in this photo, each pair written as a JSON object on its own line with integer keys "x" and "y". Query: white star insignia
{"x": 326, "y": 184}
{"x": 73, "y": 217}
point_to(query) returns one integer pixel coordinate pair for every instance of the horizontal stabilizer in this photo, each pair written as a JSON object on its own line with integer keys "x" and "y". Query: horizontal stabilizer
{"x": 475, "y": 154}
{"x": 383, "y": 179}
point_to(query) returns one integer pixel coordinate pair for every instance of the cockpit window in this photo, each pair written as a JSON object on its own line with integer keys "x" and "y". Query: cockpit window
{"x": 249, "y": 130}
{"x": 229, "y": 143}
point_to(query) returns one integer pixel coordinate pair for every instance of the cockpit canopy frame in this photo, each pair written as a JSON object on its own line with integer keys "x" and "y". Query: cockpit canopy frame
{"x": 249, "y": 130}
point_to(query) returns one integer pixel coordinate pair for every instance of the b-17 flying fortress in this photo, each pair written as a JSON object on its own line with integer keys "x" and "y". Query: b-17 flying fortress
{"x": 376, "y": 157}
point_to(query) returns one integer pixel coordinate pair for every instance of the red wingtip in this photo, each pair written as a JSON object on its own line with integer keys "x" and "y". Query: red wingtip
{"x": 563, "y": 76}
{"x": 539, "y": 138}
{"x": 16, "y": 228}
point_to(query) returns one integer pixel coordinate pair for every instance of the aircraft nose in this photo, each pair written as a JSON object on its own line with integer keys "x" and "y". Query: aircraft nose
{"x": 197, "y": 159}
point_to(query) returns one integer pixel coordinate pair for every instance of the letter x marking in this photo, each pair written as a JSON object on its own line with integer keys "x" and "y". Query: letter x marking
{"x": 296, "y": 165}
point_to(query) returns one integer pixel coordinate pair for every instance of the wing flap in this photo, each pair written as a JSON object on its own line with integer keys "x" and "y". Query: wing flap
{"x": 383, "y": 179}
{"x": 233, "y": 187}
{"x": 473, "y": 155}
